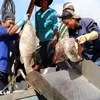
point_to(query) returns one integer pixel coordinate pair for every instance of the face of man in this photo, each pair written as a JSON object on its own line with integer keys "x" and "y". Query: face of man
{"x": 44, "y": 3}
{"x": 8, "y": 23}
{"x": 70, "y": 23}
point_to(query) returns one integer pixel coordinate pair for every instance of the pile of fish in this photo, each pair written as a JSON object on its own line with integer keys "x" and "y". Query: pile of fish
{"x": 28, "y": 45}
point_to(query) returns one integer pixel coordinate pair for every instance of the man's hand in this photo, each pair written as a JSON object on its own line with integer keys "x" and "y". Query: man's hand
{"x": 10, "y": 72}
{"x": 55, "y": 39}
{"x": 81, "y": 39}
{"x": 89, "y": 36}
{"x": 54, "y": 42}
{"x": 23, "y": 20}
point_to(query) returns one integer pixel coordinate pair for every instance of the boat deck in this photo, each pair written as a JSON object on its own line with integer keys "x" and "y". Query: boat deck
{"x": 80, "y": 84}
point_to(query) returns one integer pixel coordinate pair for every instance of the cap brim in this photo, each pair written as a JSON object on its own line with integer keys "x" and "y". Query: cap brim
{"x": 59, "y": 16}
{"x": 65, "y": 15}
{"x": 68, "y": 15}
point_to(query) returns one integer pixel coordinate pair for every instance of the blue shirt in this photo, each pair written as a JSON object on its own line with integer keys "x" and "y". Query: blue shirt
{"x": 91, "y": 48}
{"x": 45, "y": 24}
{"x": 4, "y": 48}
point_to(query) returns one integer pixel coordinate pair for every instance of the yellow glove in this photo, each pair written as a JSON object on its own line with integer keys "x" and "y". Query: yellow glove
{"x": 76, "y": 46}
{"x": 90, "y": 36}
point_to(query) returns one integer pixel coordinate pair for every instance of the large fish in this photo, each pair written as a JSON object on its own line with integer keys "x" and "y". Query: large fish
{"x": 27, "y": 46}
{"x": 66, "y": 49}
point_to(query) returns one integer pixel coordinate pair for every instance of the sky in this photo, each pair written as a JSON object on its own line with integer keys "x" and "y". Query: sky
{"x": 83, "y": 8}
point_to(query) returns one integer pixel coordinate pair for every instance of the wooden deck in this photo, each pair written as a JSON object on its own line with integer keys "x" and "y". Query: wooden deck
{"x": 20, "y": 95}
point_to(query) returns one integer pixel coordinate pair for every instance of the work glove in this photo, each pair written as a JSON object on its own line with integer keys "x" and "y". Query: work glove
{"x": 89, "y": 36}
{"x": 79, "y": 49}
{"x": 23, "y": 20}
{"x": 76, "y": 46}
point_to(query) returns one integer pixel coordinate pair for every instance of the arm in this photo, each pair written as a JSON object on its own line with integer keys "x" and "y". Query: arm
{"x": 55, "y": 40}
{"x": 13, "y": 29}
{"x": 55, "y": 28}
{"x": 92, "y": 32}
{"x": 89, "y": 36}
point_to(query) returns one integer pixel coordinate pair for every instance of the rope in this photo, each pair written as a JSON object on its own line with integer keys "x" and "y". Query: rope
{"x": 10, "y": 83}
{"x": 7, "y": 6}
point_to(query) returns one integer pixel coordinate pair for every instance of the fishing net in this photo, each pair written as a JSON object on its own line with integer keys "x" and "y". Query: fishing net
{"x": 7, "y": 6}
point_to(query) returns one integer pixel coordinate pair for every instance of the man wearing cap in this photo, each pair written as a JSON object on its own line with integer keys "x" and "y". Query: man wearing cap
{"x": 86, "y": 32}
{"x": 47, "y": 31}
{"x": 7, "y": 34}
{"x": 63, "y": 30}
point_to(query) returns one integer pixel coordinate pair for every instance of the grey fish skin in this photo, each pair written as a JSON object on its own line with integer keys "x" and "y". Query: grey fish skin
{"x": 27, "y": 46}
{"x": 65, "y": 49}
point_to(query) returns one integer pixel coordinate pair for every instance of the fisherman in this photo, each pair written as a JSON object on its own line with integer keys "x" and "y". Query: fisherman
{"x": 63, "y": 30}
{"x": 7, "y": 34}
{"x": 86, "y": 32}
{"x": 47, "y": 31}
